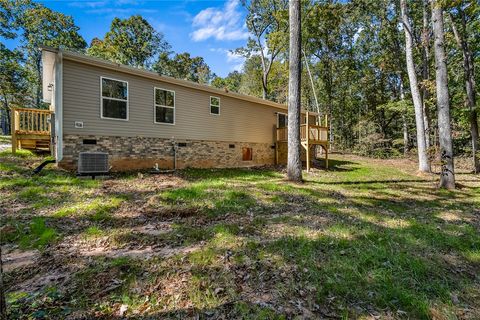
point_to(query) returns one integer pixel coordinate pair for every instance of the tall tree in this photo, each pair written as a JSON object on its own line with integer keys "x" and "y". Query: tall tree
{"x": 425, "y": 40}
{"x": 469, "y": 75}
{"x": 231, "y": 82}
{"x": 43, "y": 26}
{"x": 294, "y": 164}
{"x": 13, "y": 85}
{"x": 423, "y": 163}
{"x": 447, "y": 177}
{"x": 131, "y": 41}
{"x": 266, "y": 23}
{"x": 324, "y": 41}
{"x": 183, "y": 66}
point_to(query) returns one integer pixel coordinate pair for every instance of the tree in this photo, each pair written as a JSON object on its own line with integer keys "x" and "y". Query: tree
{"x": 231, "y": 82}
{"x": 266, "y": 23}
{"x": 425, "y": 40}
{"x": 3, "y": 304}
{"x": 13, "y": 86}
{"x": 9, "y": 11}
{"x": 182, "y": 66}
{"x": 423, "y": 163}
{"x": 131, "y": 41}
{"x": 294, "y": 164}
{"x": 447, "y": 177}
{"x": 43, "y": 26}
{"x": 469, "y": 75}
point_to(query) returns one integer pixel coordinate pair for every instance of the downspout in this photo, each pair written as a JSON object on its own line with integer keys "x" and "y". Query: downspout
{"x": 58, "y": 104}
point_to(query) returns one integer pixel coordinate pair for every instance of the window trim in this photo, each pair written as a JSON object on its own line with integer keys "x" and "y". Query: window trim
{"x": 219, "y": 104}
{"x": 155, "y": 105}
{"x": 278, "y": 119}
{"x": 116, "y": 99}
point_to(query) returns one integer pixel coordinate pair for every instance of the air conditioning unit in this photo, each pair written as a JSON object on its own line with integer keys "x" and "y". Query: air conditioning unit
{"x": 92, "y": 163}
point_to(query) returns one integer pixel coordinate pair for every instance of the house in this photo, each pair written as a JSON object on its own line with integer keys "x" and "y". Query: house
{"x": 141, "y": 118}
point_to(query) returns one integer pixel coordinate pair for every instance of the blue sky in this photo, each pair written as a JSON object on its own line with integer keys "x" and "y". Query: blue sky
{"x": 204, "y": 28}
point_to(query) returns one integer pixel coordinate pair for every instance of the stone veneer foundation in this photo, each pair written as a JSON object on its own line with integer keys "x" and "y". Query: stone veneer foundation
{"x": 132, "y": 153}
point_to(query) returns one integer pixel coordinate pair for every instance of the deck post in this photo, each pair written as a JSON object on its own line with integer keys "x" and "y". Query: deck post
{"x": 326, "y": 158}
{"x": 13, "y": 122}
{"x": 307, "y": 142}
{"x": 276, "y": 153}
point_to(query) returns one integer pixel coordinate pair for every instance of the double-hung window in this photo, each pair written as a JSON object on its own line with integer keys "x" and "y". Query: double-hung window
{"x": 164, "y": 106}
{"x": 114, "y": 104}
{"x": 214, "y": 105}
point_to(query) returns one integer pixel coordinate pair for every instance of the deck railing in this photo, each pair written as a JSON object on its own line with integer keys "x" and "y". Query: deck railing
{"x": 316, "y": 133}
{"x": 30, "y": 125}
{"x": 31, "y": 121}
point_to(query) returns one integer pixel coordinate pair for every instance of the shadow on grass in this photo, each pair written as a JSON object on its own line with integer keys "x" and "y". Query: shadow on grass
{"x": 335, "y": 165}
{"x": 268, "y": 249}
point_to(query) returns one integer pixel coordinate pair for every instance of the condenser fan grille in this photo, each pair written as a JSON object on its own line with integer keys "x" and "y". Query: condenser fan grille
{"x": 92, "y": 162}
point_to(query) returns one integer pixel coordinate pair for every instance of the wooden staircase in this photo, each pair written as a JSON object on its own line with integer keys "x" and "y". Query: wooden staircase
{"x": 311, "y": 135}
{"x": 31, "y": 129}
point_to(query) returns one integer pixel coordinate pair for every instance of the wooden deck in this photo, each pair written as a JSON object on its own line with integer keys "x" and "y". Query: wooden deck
{"x": 311, "y": 135}
{"x": 31, "y": 129}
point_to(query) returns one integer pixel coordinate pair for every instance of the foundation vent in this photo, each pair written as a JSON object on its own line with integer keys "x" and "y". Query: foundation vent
{"x": 91, "y": 163}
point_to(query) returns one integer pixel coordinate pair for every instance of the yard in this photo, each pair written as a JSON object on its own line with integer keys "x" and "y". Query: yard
{"x": 367, "y": 239}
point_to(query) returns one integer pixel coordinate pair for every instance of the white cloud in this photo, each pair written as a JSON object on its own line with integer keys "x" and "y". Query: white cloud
{"x": 231, "y": 58}
{"x": 220, "y": 23}
{"x": 234, "y": 57}
{"x": 88, "y": 4}
{"x": 121, "y": 12}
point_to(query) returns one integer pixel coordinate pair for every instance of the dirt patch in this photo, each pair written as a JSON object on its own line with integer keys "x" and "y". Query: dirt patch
{"x": 57, "y": 278}
{"x": 143, "y": 253}
{"x": 143, "y": 183}
{"x": 17, "y": 258}
{"x": 154, "y": 229}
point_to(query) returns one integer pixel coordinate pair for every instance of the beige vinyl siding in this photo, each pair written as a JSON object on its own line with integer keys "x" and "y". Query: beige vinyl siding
{"x": 239, "y": 120}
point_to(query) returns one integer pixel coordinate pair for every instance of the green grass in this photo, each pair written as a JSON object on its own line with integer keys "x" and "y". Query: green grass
{"x": 5, "y": 139}
{"x": 366, "y": 237}
{"x": 21, "y": 153}
{"x": 35, "y": 234}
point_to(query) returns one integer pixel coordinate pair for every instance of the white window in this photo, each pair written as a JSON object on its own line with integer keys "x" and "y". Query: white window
{"x": 114, "y": 104}
{"x": 214, "y": 105}
{"x": 164, "y": 106}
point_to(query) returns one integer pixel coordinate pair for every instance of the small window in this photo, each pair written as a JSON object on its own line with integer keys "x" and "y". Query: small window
{"x": 214, "y": 105}
{"x": 114, "y": 103}
{"x": 247, "y": 154}
{"x": 164, "y": 106}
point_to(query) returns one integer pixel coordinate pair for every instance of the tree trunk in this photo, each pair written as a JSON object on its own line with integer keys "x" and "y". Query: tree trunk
{"x": 404, "y": 120}
{"x": 447, "y": 176}
{"x": 294, "y": 164}
{"x": 264, "y": 86}
{"x": 469, "y": 75}
{"x": 3, "y": 304}
{"x": 38, "y": 80}
{"x": 423, "y": 163}
{"x": 426, "y": 72}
